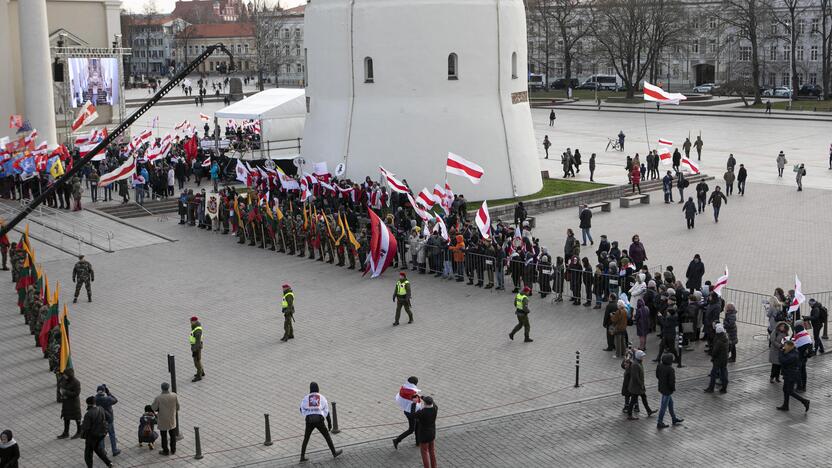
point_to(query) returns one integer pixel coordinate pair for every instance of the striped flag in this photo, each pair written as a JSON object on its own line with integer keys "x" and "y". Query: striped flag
{"x": 86, "y": 116}
{"x": 656, "y": 94}
{"x": 161, "y": 150}
{"x": 721, "y": 282}
{"x": 426, "y": 198}
{"x": 799, "y": 298}
{"x": 664, "y": 154}
{"x": 460, "y": 166}
{"x": 690, "y": 165}
{"x": 183, "y": 124}
{"x": 483, "y": 220}
{"x": 417, "y": 207}
{"x": 394, "y": 183}
{"x": 663, "y": 142}
{"x": 126, "y": 170}
{"x": 204, "y": 117}
{"x": 383, "y": 246}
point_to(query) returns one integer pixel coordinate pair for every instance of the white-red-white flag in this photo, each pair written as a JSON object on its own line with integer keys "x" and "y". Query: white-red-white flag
{"x": 126, "y": 170}
{"x": 394, "y": 183}
{"x": 441, "y": 227}
{"x": 690, "y": 165}
{"x": 242, "y": 172}
{"x": 721, "y": 282}
{"x": 799, "y": 298}
{"x": 460, "y": 166}
{"x": 183, "y": 124}
{"x": 383, "y": 246}
{"x": 206, "y": 162}
{"x": 204, "y": 117}
{"x": 426, "y": 198}
{"x": 665, "y": 142}
{"x": 86, "y": 116}
{"x": 421, "y": 212}
{"x": 664, "y": 154}
{"x": 483, "y": 220}
{"x": 656, "y": 94}
{"x": 161, "y": 150}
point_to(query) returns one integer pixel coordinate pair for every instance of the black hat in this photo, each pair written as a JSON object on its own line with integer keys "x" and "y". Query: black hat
{"x": 90, "y": 400}
{"x": 313, "y": 387}
{"x": 413, "y": 380}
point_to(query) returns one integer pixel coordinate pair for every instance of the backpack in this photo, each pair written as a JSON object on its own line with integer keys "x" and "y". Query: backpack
{"x": 147, "y": 430}
{"x": 685, "y": 183}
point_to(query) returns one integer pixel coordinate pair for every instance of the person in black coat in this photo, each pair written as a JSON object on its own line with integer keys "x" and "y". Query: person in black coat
{"x": 9, "y": 451}
{"x": 426, "y": 431}
{"x": 719, "y": 360}
{"x": 70, "y": 390}
{"x": 789, "y": 363}
{"x": 742, "y": 175}
{"x": 519, "y": 214}
{"x": 689, "y": 208}
{"x": 696, "y": 270}
{"x": 666, "y": 376}
{"x": 612, "y": 306}
{"x": 94, "y": 429}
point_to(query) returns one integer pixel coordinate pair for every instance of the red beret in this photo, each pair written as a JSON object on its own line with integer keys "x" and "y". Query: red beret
{"x": 527, "y": 289}
{"x": 286, "y": 286}
{"x": 194, "y": 318}
{"x": 402, "y": 274}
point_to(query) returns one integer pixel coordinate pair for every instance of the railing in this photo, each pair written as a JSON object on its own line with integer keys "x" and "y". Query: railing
{"x": 43, "y": 236}
{"x": 68, "y": 226}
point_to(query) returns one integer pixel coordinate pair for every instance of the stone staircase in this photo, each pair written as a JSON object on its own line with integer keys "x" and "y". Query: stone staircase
{"x": 150, "y": 208}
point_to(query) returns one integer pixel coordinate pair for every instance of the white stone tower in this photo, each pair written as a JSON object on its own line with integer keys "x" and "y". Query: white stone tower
{"x": 400, "y": 83}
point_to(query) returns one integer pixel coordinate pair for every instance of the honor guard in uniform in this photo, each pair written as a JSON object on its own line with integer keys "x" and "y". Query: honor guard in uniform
{"x": 288, "y": 307}
{"x": 82, "y": 274}
{"x": 401, "y": 296}
{"x": 521, "y": 306}
{"x": 195, "y": 339}
{"x": 300, "y": 236}
{"x": 315, "y": 410}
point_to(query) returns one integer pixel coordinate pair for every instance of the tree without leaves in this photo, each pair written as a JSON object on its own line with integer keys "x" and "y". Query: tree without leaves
{"x": 746, "y": 16}
{"x": 794, "y": 12}
{"x": 826, "y": 45}
{"x": 573, "y": 21}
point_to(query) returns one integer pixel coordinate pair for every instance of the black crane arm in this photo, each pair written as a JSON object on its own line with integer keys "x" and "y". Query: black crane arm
{"x": 115, "y": 133}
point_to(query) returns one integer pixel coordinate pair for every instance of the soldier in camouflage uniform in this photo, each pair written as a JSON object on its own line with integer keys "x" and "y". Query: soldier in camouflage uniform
{"x": 16, "y": 257}
{"x": 82, "y": 274}
{"x": 224, "y": 212}
{"x": 340, "y": 240}
{"x": 28, "y": 302}
{"x": 53, "y": 354}
{"x": 40, "y": 316}
{"x": 32, "y": 309}
{"x": 300, "y": 236}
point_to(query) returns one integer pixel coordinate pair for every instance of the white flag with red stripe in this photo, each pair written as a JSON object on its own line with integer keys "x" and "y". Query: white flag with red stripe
{"x": 664, "y": 154}
{"x": 426, "y": 198}
{"x": 394, "y": 183}
{"x": 206, "y": 162}
{"x": 419, "y": 209}
{"x": 140, "y": 139}
{"x": 690, "y": 165}
{"x": 656, "y": 94}
{"x": 440, "y": 226}
{"x": 161, "y": 150}
{"x": 664, "y": 142}
{"x": 86, "y": 116}
{"x": 84, "y": 151}
{"x": 183, "y": 124}
{"x": 483, "y": 220}
{"x": 204, "y": 117}
{"x": 383, "y": 246}
{"x": 721, "y": 282}
{"x": 799, "y": 298}
{"x": 94, "y": 136}
{"x": 460, "y": 166}
{"x": 124, "y": 171}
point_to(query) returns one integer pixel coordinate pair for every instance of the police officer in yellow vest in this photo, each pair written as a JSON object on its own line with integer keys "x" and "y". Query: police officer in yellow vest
{"x": 288, "y": 306}
{"x": 195, "y": 339}
{"x": 521, "y": 306}
{"x": 401, "y": 296}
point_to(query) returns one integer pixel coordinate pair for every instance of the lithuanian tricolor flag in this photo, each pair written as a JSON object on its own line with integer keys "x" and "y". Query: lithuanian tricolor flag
{"x": 51, "y": 320}
{"x": 66, "y": 352}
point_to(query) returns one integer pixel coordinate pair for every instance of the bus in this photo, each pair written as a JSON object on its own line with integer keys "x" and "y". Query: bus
{"x": 537, "y": 82}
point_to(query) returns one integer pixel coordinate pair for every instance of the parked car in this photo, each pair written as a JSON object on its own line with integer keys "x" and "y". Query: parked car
{"x": 704, "y": 88}
{"x": 780, "y": 91}
{"x": 561, "y": 83}
{"x": 601, "y": 82}
{"x": 810, "y": 90}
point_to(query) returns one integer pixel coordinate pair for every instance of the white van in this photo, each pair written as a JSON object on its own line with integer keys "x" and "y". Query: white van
{"x": 601, "y": 82}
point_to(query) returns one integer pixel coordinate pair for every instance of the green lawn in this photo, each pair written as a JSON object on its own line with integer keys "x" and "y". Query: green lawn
{"x": 551, "y": 187}
{"x": 802, "y": 105}
{"x": 583, "y": 94}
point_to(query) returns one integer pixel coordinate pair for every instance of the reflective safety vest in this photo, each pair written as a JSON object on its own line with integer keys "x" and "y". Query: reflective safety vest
{"x": 285, "y": 303}
{"x": 518, "y": 301}
{"x": 401, "y": 287}
{"x": 191, "y": 337}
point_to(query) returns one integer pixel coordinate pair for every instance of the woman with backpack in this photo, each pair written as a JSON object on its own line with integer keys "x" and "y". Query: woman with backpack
{"x": 147, "y": 424}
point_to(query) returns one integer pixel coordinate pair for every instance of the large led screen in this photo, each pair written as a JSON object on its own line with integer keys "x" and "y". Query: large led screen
{"x": 94, "y": 80}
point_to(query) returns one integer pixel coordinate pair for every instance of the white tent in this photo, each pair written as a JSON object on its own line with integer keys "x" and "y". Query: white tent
{"x": 281, "y": 112}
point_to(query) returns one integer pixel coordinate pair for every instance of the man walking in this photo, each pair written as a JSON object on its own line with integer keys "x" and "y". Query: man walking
{"x": 409, "y": 402}
{"x": 742, "y": 175}
{"x": 698, "y": 145}
{"x": 401, "y": 296}
{"x": 690, "y": 212}
{"x": 729, "y": 181}
{"x": 666, "y": 375}
{"x": 719, "y": 360}
{"x": 105, "y": 400}
{"x": 315, "y": 409}
{"x": 94, "y": 429}
{"x": 166, "y": 405}
{"x": 288, "y": 308}
{"x": 552, "y": 118}
{"x": 546, "y": 145}
{"x": 82, "y": 274}
{"x": 686, "y": 147}
{"x": 717, "y": 197}
{"x": 667, "y": 187}
{"x": 818, "y": 317}
{"x": 701, "y": 196}
{"x": 732, "y": 162}
{"x": 195, "y": 339}
{"x": 521, "y": 306}
{"x": 789, "y": 366}
{"x": 585, "y": 216}
{"x": 801, "y": 172}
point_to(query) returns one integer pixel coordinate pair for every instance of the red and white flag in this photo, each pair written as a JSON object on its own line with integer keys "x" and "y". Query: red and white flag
{"x": 690, "y": 165}
{"x": 206, "y": 162}
{"x": 394, "y": 183}
{"x": 140, "y": 139}
{"x": 94, "y": 136}
{"x": 407, "y": 394}
{"x": 460, "y": 166}
{"x": 15, "y": 121}
{"x": 86, "y": 116}
{"x": 383, "y": 246}
{"x": 440, "y": 226}
{"x": 204, "y": 117}
{"x": 182, "y": 125}
{"x": 30, "y": 138}
{"x": 124, "y": 171}
{"x": 483, "y": 220}
{"x": 161, "y": 150}
{"x": 721, "y": 282}
{"x": 417, "y": 207}
{"x": 799, "y": 298}
{"x": 663, "y": 142}
{"x": 242, "y": 172}
{"x": 664, "y": 154}
{"x": 426, "y": 198}
{"x": 656, "y": 94}
{"x": 84, "y": 151}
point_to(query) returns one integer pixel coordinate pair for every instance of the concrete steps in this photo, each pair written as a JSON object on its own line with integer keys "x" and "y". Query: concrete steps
{"x": 150, "y": 208}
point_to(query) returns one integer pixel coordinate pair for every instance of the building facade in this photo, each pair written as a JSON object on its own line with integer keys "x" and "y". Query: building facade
{"x": 285, "y": 50}
{"x": 237, "y": 37}
{"x": 711, "y": 51}
{"x": 153, "y": 43}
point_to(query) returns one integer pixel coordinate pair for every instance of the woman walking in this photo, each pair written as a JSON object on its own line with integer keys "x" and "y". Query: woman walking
{"x": 426, "y": 431}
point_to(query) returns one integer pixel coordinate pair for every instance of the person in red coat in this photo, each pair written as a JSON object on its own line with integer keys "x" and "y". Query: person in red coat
{"x": 635, "y": 178}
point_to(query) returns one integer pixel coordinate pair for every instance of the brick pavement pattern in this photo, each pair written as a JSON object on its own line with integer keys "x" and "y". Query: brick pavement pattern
{"x": 346, "y": 342}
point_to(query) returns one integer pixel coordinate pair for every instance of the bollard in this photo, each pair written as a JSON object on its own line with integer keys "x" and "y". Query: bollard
{"x": 679, "y": 348}
{"x": 268, "y": 431}
{"x": 577, "y": 369}
{"x": 172, "y": 370}
{"x": 198, "y": 454}
{"x": 335, "y": 429}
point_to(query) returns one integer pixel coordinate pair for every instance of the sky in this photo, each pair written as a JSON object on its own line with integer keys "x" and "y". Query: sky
{"x": 166, "y": 6}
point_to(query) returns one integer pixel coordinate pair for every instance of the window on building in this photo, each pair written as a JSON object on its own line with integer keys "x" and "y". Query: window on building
{"x": 453, "y": 64}
{"x": 559, "y": 69}
{"x": 801, "y": 26}
{"x": 712, "y": 22}
{"x": 297, "y": 51}
{"x": 300, "y": 68}
{"x": 773, "y": 27}
{"x": 772, "y": 53}
{"x": 239, "y": 48}
{"x": 813, "y": 53}
{"x": 798, "y": 53}
{"x": 286, "y": 33}
{"x": 694, "y": 46}
{"x": 610, "y": 70}
{"x": 787, "y": 52}
{"x": 772, "y": 79}
{"x": 799, "y": 79}
{"x": 813, "y": 78}
{"x": 787, "y": 79}
{"x": 745, "y": 53}
{"x": 712, "y": 46}
{"x": 695, "y": 22}
{"x": 368, "y": 69}
{"x": 815, "y": 25}
{"x": 285, "y": 51}
{"x": 514, "y": 65}
{"x": 297, "y": 33}
{"x": 245, "y": 48}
